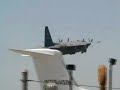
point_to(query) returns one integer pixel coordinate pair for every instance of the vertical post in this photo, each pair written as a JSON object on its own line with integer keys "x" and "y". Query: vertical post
{"x": 70, "y": 79}
{"x": 110, "y": 77}
{"x": 112, "y": 62}
{"x": 70, "y": 69}
{"x": 24, "y": 80}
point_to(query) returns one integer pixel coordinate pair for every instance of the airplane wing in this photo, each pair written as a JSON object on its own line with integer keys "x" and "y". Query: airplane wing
{"x": 49, "y": 65}
{"x": 77, "y": 44}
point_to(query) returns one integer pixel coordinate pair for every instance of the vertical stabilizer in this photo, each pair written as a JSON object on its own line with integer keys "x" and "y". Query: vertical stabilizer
{"x": 48, "y": 39}
{"x": 50, "y": 67}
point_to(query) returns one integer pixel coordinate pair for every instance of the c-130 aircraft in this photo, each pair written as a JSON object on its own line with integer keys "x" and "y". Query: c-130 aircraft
{"x": 69, "y": 47}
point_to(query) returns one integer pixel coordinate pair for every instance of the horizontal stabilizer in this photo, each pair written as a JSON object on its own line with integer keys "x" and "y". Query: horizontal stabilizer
{"x": 33, "y": 52}
{"x": 22, "y": 52}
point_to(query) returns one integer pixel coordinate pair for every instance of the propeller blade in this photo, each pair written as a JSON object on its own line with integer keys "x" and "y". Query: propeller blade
{"x": 98, "y": 41}
{"x": 91, "y": 40}
{"x": 60, "y": 40}
{"x": 83, "y": 40}
{"x": 68, "y": 40}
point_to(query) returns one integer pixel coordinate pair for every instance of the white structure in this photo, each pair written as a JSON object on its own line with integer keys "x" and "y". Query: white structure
{"x": 49, "y": 66}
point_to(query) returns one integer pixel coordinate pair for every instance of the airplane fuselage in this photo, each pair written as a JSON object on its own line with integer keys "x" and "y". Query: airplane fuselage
{"x": 71, "y": 48}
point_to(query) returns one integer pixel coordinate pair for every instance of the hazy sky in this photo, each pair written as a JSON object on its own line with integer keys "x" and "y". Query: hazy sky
{"x": 22, "y": 25}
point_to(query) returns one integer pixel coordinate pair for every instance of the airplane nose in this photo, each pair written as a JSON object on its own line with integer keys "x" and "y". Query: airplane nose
{"x": 88, "y": 44}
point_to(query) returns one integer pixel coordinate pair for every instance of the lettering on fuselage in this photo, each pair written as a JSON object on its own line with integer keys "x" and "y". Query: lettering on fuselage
{"x": 63, "y": 82}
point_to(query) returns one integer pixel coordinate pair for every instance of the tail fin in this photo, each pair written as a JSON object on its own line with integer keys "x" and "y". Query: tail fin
{"x": 50, "y": 66}
{"x": 48, "y": 39}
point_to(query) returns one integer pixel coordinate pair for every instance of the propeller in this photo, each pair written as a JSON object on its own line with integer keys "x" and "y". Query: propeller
{"x": 68, "y": 40}
{"x": 90, "y": 40}
{"x": 83, "y": 40}
{"x": 60, "y": 40}
{"x": 98, "y": 41}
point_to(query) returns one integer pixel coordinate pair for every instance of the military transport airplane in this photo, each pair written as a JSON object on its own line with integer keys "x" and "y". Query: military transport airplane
{"x": 69, "y": 47}
{"x": 50, "y": 68}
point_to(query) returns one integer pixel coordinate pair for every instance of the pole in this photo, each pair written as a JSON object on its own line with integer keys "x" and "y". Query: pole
{"x": 112, "y": 62}
{"x": 24, "y": 80}
{"x": 70, "y": 69}
{"x": 110, "y": 77}
{"x": 70, "y": 79}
